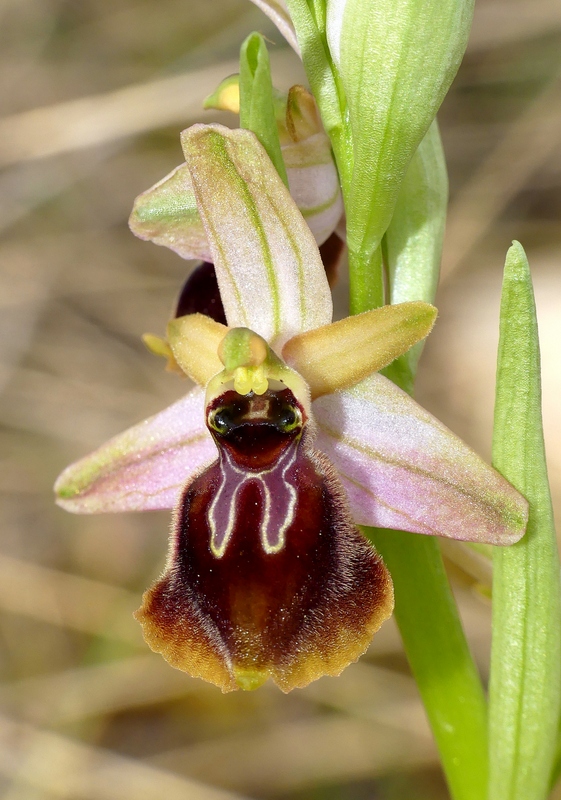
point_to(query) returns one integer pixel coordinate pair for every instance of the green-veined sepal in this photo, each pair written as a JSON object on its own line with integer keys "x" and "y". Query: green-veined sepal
{"x": 269, "y": 270}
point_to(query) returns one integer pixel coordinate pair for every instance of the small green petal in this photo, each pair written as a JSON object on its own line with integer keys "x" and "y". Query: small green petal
{"x": 340, "y": 355}
{"x": 194, "y": 341}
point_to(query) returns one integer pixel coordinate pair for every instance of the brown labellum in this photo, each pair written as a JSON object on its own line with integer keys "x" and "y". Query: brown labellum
{"x": 267, "y": 575}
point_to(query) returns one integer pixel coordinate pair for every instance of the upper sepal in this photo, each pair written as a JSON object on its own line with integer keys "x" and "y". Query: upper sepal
{"x": 167, "y": 214}
{"x": 268, "y": 266}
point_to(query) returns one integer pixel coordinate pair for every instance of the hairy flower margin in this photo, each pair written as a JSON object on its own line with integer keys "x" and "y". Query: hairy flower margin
{"x": 267, "y": 575}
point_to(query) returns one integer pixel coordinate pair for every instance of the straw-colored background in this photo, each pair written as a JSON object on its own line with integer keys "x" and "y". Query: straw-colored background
{"x": 94, "y": 94}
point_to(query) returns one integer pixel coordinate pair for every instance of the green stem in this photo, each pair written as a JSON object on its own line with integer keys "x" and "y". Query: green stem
{"x": 439, "y": 656}
{"x": 366, "y": 290}
{"x": 427, "y": 616}
{"x": 556, "y": 771}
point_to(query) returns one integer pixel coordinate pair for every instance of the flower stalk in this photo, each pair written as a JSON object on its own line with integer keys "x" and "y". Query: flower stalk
{"x": 425, "y": 609}
{"x": 440, "y": 659}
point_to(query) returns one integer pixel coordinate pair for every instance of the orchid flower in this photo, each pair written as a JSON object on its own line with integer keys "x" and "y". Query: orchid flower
{"x": 290, "y": 440}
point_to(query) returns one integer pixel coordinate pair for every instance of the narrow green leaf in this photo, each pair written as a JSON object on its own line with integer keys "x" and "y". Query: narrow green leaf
{"x": 526, "y": 651}
{"x": 416, "y": 232}
{"x": 257, "y": 107}
{"x": 413, "y": 241}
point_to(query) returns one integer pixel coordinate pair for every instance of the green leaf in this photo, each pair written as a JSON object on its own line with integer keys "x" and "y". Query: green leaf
{"x": 416, "y": 233}
{"x": 525, "y": 679}
{"x": 396, "y": 62}
{"x": 413, "y": 241}
{"x": 257, "y": 106}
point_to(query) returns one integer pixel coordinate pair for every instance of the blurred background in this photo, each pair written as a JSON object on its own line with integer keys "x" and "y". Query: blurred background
{"x": 93, "y": 97}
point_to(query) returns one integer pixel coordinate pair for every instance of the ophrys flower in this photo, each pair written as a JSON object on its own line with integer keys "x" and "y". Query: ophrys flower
{"x": 267, "y": 575}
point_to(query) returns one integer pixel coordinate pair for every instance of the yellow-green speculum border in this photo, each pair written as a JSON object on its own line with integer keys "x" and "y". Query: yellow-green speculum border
{"x": 267, "y": 575}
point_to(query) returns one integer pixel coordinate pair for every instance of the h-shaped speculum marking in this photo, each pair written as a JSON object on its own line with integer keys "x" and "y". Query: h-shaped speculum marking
{"x": 277, "y": 508}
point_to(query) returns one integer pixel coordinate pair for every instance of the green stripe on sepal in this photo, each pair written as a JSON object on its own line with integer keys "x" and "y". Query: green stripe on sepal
{"x": 268, "y": 266}
{"x": 525, "y": 678}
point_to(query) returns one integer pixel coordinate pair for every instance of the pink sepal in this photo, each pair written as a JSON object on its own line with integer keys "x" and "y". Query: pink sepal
{"x": 403, "y": 469}
{"x": 143, "y": 468}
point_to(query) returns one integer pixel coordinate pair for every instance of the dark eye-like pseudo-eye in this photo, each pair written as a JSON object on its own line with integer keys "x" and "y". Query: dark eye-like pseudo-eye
{"x": 267, "y": 575}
